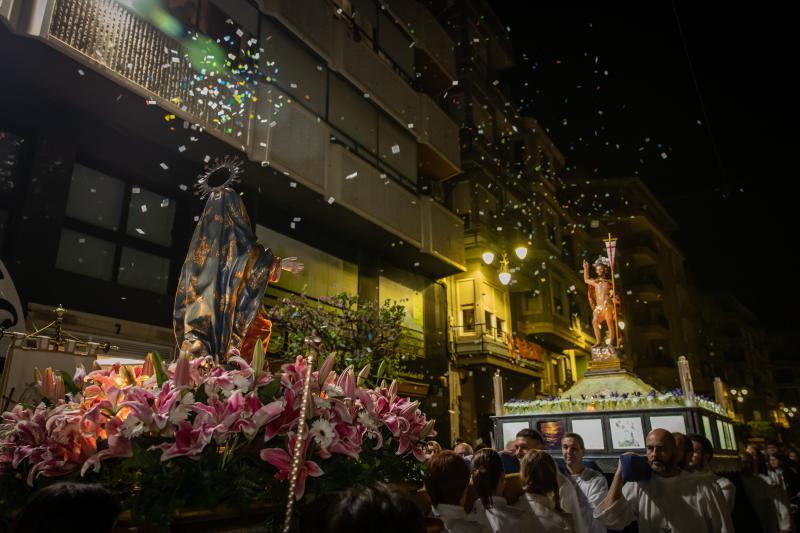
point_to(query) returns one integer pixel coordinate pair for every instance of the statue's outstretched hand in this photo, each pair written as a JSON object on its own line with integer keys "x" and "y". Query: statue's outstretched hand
{"x": 291, "y": 264}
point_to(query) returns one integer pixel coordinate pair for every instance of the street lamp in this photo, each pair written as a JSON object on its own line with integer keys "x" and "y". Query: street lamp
{"x": 522, "y": 252}
{"x": 488, "y": 257}
{"x": 505, "y": 275}
{"x": 739, "y": 394}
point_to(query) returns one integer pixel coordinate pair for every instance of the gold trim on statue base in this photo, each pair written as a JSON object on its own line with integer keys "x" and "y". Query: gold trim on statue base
{"x": 603, "y": 366}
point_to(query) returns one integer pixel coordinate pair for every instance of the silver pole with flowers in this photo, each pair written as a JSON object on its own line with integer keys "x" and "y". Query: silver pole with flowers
{"x": 313, "y": 344}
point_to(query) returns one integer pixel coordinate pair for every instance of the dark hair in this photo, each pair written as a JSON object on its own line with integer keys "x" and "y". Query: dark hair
{"x": 530, "y": 434}
{"x": 760, "y": 459}
{"x": 539, "y": 474}
{"x": 447, "y": 478}
{"x": 705, "y": 444}
{"x": 60, "y": 507}
{"x": 576, "y": 438}
{"x": 378, "y": 508}
{"x": 688, "y": 449}
{"x": 487, "y": 471}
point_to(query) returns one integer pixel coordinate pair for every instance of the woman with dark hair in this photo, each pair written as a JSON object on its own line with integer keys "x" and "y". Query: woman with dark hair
{"x": 446, "y": 481}
{"x": 378, "y": 508}
{"x": 63, "y": 507}
{"x": 541, "y": 497}
{"x": 492, "y": 509}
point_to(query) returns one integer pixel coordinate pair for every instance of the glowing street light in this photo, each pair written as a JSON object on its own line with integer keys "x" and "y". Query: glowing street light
{"x": 505, "y": 275}
{"x": 488, "y": 257}
{"x": 522, "y": 252}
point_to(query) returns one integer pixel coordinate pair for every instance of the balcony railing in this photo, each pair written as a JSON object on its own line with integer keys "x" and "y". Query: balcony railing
{"x": 153, "y": 64}
{"x": 123, "y": 46}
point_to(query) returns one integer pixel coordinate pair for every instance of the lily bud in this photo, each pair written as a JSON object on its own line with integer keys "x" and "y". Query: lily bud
{"x": 182, "y": 378}
{"x": 127, "y": 373}
{"x": 363, "y": 375}
{"x": 258, "y": 359}
{"x": 148, "y": 369}
{"x": 326, "y": 367}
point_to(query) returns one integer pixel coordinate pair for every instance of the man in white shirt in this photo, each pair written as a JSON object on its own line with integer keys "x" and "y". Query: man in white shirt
{"x": 530, "y": 439}
{"x": 591, "y": 485}
{"x": 702, "y": 453}
{"x": 671, "y": 501}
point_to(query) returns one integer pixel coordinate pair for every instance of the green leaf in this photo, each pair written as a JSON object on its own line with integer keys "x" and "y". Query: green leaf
{"x": 69, "y": 384}
{"x": 267, "y": 393}
{"x": 158, "y": 363}
{"x": 381, "y": 369}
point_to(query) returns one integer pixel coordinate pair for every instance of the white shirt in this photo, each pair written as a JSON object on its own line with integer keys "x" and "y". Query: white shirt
{"x": 684, "y": 503}
{"x": 570, "y": 503}
{"x": 725, "y": 485}
{"x": 502, "y": 517}
{"x": 456, "y": 520}
{"x": 592, "y": 489}
{"x": 769, "y": 502}
{"x": 547, "y": 519}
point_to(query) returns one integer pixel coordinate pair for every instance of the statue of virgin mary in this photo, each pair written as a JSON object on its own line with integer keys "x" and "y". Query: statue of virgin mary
{"x": 218, "y": 303}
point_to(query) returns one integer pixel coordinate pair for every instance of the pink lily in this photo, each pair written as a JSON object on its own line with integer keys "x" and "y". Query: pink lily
{"x": 256, "y": 415}
{"x": 282, "y": 460}
{"x": 189, "y": 442}
{"x": 118, "y": 446}
{"x": 217, "y": 416}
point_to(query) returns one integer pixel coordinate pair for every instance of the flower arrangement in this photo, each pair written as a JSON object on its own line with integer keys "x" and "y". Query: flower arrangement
{"x": 610, "y": 402}
{"x": 195, "y": 433}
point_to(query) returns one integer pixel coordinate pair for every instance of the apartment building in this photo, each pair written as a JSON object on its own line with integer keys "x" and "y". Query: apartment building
{"x": 108, "y": 115}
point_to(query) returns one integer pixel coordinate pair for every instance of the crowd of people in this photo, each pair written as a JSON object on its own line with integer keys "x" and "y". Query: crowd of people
{"x": 672, "y": 490}
{"x": 524, "y": 489}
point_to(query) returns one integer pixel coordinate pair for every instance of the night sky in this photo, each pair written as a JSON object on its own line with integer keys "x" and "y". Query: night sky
{"x": 614, "y": 88}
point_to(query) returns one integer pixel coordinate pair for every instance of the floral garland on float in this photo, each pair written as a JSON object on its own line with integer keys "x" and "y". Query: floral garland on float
{"x": 610, "y": 402}
{"x": 198, "y": 434}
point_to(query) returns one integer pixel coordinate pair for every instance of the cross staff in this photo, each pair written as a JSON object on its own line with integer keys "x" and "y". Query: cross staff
{"x": 611, "y": 251}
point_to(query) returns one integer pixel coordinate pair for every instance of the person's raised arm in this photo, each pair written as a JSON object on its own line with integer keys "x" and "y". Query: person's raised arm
{"x": 614, "y": 491}
{"x": 586, "y": 278}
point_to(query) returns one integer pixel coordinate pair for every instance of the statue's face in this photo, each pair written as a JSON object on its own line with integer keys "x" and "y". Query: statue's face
{"x": 600, "y": 270}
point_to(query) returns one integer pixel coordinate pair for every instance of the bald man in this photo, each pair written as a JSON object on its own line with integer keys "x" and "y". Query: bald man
{"x": 671, "y": 501}
{"x": 683, "y": 450}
